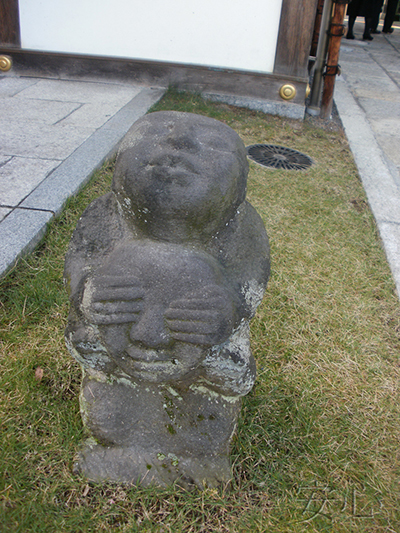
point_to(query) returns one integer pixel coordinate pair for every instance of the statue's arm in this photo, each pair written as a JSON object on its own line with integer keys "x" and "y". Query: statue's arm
{"x": 97, "y": 233}
{"x": 242, "y": 248}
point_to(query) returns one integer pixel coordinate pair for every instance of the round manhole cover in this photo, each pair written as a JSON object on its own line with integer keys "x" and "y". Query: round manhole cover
{"x": 272, "y": 156}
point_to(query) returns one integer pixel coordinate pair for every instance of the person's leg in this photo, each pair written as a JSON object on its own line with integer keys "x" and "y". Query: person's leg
{"x": 376, "y": 12}
{"x": 389, "y": 17}
{"x": 367, "y": 30}
{"x": 350, "y": 25}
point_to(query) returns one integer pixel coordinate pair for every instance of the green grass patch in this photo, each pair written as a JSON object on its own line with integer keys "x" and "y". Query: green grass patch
{"x": 317, "y": 445}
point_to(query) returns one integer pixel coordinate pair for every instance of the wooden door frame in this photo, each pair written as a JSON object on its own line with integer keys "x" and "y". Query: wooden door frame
{"x": 10, "y": 34}
{"x": 295, "y": 37}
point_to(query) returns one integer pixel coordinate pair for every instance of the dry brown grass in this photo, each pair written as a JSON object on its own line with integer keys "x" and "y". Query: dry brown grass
{"x": 317, "y": 446}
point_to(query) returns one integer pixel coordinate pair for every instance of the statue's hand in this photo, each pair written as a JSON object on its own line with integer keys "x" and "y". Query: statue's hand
{"x": 204, "y": 317}
{"x": 116, "y": 300}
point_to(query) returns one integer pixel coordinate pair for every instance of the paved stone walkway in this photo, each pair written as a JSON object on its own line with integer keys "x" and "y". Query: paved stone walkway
{"x": 53, "y": 135}
{"x": 367, "y": 95}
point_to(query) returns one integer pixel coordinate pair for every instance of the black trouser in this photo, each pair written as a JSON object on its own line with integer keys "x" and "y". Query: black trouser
{"x": 390, "y": 14}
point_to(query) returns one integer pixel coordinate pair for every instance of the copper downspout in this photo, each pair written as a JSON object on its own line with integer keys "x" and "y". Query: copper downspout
{"x": 332, "y": 65}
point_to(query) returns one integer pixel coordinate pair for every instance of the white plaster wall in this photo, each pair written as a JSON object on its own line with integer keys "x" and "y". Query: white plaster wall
{"x": 238, "y": 34}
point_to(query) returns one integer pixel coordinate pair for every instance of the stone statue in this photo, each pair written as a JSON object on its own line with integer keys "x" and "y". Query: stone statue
{"x": 164, "y": 274}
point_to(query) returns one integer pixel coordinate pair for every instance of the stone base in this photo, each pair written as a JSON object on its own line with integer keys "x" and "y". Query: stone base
{"x": 134, "y": 466}
{"x": 153, "y": 434}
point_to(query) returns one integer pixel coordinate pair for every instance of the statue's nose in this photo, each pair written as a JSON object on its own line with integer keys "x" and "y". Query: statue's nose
{"x": 151, "y": 331}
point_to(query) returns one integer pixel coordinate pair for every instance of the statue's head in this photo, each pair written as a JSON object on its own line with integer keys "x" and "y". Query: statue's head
{"x": 159, "y": 309}
{"x": 180, "y": 177}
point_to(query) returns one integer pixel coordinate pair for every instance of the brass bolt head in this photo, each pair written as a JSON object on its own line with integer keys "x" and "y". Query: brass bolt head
{"x": 287, "y": 91}
{"x": 5, "y": 63}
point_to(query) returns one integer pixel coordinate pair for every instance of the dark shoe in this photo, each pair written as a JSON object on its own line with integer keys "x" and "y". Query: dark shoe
{"x": 350, "y": 35}
{"x": 367, "y": 37}
{"x": 388, "y": 31}
{"x": 377, "y": 32}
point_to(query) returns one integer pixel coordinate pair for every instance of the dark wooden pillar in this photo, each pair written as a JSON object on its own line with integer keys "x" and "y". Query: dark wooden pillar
{"x": 9, "y": 23}
{"x": 294, "y": 38}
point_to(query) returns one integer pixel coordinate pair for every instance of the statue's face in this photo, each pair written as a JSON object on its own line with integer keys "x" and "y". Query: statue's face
{"x": 159, "y": 309}
{"x": 179, "y": 174}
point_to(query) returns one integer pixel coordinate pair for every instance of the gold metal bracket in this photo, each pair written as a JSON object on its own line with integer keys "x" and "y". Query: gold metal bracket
{"x": 287, "y": 91}
{"x": 5, "y": 63}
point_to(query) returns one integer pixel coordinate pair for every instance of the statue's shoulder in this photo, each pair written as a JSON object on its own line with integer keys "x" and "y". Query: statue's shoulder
{"x": 249, "y": 225}
{"x": 97, "y": 233}
{"x": 99, "y": 227}
{"x": 243, "y": 244}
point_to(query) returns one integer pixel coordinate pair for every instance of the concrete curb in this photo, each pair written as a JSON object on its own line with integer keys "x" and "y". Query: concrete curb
{"x": 283, "y": 109}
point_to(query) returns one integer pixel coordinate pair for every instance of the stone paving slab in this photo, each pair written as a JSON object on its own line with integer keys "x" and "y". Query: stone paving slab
{"x": 20, "y": 176}
{"x": 10, "y": 86}
{"x": 381, "y": 109}
{"x": 46, "y": 159}
{"x": 362, "y": 67}
{"x": 4, "y": 159}
{"x": 4, "y": 211}
{"x": 40, "y": 140}
{"x": 396, "y": 77}
{"x": 382, "y": 90}
{"x": 387, "y": 59}
{"x": 95, "y": 114}
{"x": 387, "y": 127}
{"x": 79, "y": 91}
{"x": 390, "y": 148}
{"x": 17, "y": 110}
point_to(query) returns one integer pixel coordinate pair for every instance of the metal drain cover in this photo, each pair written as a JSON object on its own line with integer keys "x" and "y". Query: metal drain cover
{"x": 272, "y": 156}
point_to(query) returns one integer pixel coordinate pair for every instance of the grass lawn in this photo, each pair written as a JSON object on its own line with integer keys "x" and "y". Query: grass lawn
{"x": 317, "y": 448}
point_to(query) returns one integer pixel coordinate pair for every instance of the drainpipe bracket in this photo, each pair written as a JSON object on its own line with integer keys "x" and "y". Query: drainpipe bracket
{"x": 332, "y": 70}
{"x": 336, "y": 30}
